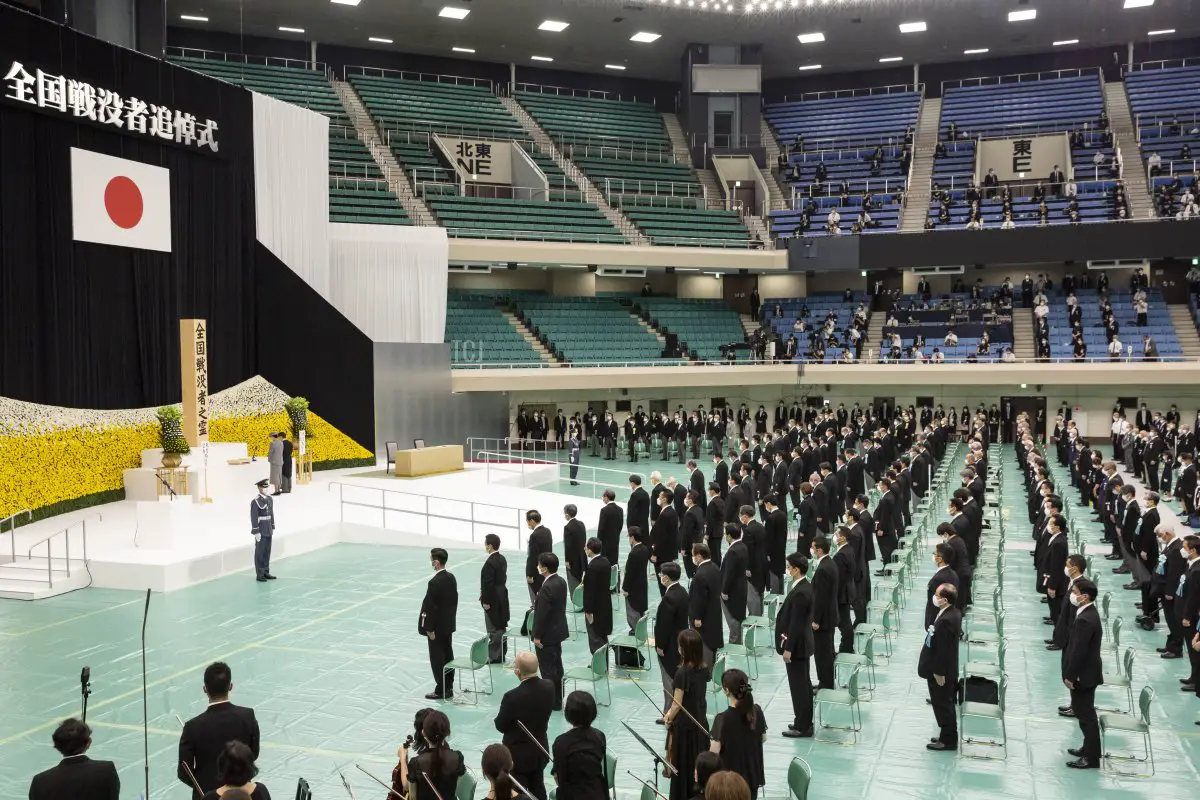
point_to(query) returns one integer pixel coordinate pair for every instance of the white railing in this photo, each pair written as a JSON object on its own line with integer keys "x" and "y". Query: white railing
{"x": 65, "y": 533}
{"x": 1085, "y": 187}
{"x": 406, "y": 75}
{"x": 241, "y": 58}
{"x": 870, "y": 359}
{"x": 1166, "y": 63}
{"x": 498, "y": 466}
{"x": 441, "y": 517}
{"x": 628, "y": 152}
{"x": 1020, "y": 77}
{"x": 567, "y": 91}
{"x": 896, "y": 88}
{"x": 405, "y": 128}
{"x": 12, "y": 528}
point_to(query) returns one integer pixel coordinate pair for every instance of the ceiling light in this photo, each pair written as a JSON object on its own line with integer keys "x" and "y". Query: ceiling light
{"x": 976, "y": 51}
{"x": 454, "y": 13}
{"x": 645, "y": 38}
{"x": 1021, "y": 16}
{"x": 614, "y": 66}
{"x": 193, "y": 18}
{"x": 346, "y": 2}
{"x": 541, "y": 58}
{"x": 891, "y": 58}
{"x": 554, "y": 27}
{"x": 810, "y": 66}
{"x": 463, "y": 49}
{"x": 912, "y": 27}
{"x": 1062, "y": 42}
{"x": 286, "y": 29}
{"x": 810, "y": 38}
{"x": 1138, "y": 3}
{"x": 379, "y": 39}
{"x": 1162, "y": 32}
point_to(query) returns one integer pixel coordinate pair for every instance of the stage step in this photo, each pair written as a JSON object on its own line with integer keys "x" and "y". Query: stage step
{"x": 30, "y": 579}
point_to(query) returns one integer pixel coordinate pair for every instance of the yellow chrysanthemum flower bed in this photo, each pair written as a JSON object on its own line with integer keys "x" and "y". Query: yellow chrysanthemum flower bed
{"x": 51, "y": 466}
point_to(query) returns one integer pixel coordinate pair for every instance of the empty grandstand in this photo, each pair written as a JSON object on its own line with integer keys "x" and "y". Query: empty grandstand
{"x": 845, "y": 154}
{"x": 1015, "y": 105}
{"x": 590, "y": 330}
{"x": 481, "y": 336}
{"x": 702, "y": 326}
{"x": 1162, "y": 100}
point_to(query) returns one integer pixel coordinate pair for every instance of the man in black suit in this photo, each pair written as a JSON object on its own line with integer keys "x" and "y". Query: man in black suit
{"x": 974, "y": 514}
{"x": 670, "y": 619}
{"x": 439, "y": 610}
{"x": 1076, "y": 564}
{"x": 574, "y": 540}
{"x": 550, "y": 623}
{"x": 846, "y": 561}
{"x": 610, "y": 526}
{"x": 825, "y": 610}
{"x": 755, "y": 538}
{"x": 965, "y": 530}
{"x": 943, "y": 572}
{"x": 776, "y": 542}
{"x": 664, "y": 536}
{"x": 692, "y": 528}
{"x": 634, "y": 585}
{"x": 204, "y": 736}
{"x": 637, "y": 508}
{"x": 1188, "y": 606}
{"x": 530, "y": 703}
{"x": 794, "y": 641}
{"x": 734, "y": 570}
{"x": 885, "y": 524}
{"x": 696, "y": 482}
{"x": 720, "y": 472}
{"x": 704, "y": 603}
{"x": 714, "y": 527}
{"x": 597, "y": 605}
{"x": 958, "y": 560}
{"x": 1163, "y": 594}
{"x": 938, "y": 665}
{"x": 1082, "y": 672}
{"x": 1050, "y": 568}
{"x": 735, "y": 498}
{"x": 540, "y": 541}
{"x": 493, "y": 596}
{"x": 76, "y": 777}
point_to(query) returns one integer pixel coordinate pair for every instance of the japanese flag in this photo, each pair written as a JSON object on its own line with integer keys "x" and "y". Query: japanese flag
{"x": 120, "y": 202}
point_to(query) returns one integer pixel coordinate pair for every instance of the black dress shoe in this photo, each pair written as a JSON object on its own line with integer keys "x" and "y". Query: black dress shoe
{"x": 1083, "y": 763}
{"x": 792, "y": 733}
{"x": 1075, "y": 751}
{"x": 435, "y": 696}
{"x": 1045, "y": 599}
{"x": 1121, "y": 570}
{"x": 1053, "y": 647}
{"x": 940, "y": 745}
{"x": 1047, "y": 619}
{"x": 1160, "y": 650}
{"x": 1067, "y": 713}
{"x": 1111, "y": 557}
{"x": 1188, "y": 687}
{"x": 1169, "y": 655}
{"x": 1137, "y": 606}
{"x": 261, "y": 579}
{"x": 1064, "y": 708}
{"x": 1048, "y": 641}
{"x": 1185, "y": 680}
{"x": 659, "y": 721}
{"x": 1133, "y": 585}
{"x": 271, "y": 577}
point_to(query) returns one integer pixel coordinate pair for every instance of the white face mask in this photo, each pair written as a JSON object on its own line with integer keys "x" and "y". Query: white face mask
{"x": 1075, "y": 600}
{"x": 939, "y": 601}
{"x": 1067, "y": 571}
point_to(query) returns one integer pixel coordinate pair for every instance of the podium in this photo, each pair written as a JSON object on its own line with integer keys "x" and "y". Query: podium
{"x": 230, "y": 473}
{"x": 161, "y": 524}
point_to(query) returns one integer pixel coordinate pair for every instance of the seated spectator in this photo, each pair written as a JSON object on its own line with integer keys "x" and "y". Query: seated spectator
{"x": 975, "y": 224}
{"x": 918, "y": 355}
{"x": 944, "y": 216}
{"x": 1043, "y": 214}
{"x": 856, "y": 227}
{"x": 834, "y": 220}
{"x": 1008, "y": 356}
{"x": 1079, "y": 347}
{"x": 847, "y": 357}
{"x": 1154, "y": 162}
{"x": 876, "y": 166}
{"x": 798, "y": 326}
{"x": 938, "y": 357}
{"x": 1072, "y": 189}
{"x": 1102, "y": 122}
{"x": 972, "y": 193}
{"x": 822, "y": 172}
{"x": 1039, "y": 193}
{"x": 951, "y": 339}
{"x": 891, "y": 320}
{"x": 908, "y": 134}
{"x": 939, "y": 150}
{"x": 868, "y": 201}
{"x": 929, "y": 224}
{"x": 864, "y": 220}
{"x": 778, "y": 311}
{"x": 1188, "y": 210}
{"x": 1185, "y": 153}
{"x": 919, "y": 341}
{"x": 1007, "y": 224}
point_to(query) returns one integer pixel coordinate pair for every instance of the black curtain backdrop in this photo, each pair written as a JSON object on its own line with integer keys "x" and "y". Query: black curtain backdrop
{"x": 93, "y": 326}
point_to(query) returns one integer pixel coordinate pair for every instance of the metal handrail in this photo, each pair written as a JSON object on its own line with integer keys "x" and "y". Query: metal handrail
{"x": 457, "y": 501}
{"x": 66, "y": 534}
{"x": 12, "y": 520}
{"x": 788, "y": 364}
{"x": 1166, "y": 63}
{"x": 541, "y": 88}
{"x": 457, "y": 80}
{"x": 242, "y": 58}
{"x": 895, "y": 88}
{"x": 1019, "y": 77}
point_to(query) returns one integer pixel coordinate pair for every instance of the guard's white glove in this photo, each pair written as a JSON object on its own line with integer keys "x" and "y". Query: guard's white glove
{"x": 257, "y": 538}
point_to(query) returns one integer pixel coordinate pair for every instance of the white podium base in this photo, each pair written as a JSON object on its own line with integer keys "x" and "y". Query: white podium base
{"x": 164, "y": 524}
{"x": 220, "y": 480}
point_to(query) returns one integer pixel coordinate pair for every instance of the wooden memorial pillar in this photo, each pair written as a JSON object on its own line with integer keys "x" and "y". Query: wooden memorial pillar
{"x": 193, "y": 371}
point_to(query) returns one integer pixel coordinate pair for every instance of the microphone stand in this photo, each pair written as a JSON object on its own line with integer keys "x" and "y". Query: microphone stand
{"x": 346, "y": 785}
{"x": 85, "y": 686}
{"x": 170, "y": 488}
{"x": 145, "y": 708}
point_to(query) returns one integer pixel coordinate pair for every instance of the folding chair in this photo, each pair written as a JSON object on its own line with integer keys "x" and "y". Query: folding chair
{"x": 841, "y": 697}
{"x": 595, "y": 672}
{"x": 989, "y": 711}
{"x": 799, "y": 777}
{"x": 477, "y": 659}
{"x": 1128, "y": 724}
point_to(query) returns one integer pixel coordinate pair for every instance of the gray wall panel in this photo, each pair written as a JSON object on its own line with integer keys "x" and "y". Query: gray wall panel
{"x": 413, "y": 399}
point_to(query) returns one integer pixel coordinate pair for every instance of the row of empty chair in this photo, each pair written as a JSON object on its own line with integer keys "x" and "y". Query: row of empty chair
{"x": 479, "y": 335}
{"x": 1017, "y": 108}
{"x": 587, "y": 330}
{"x": 702, "y": 325}
{"x": 1167, "y": 117}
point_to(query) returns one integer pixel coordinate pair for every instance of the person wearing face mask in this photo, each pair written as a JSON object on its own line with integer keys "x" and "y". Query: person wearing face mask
{"x": 1073, "y": 571}
{"x": 958, "y": 562}
{"x": 943, "y": 556}
{"x": 795, "y": 642}
{"x": 1185, "y": 486}
{"x": 704, "y": 603}
{"x": 1144, "y": 546}
{"x": 1170, "y": 568}
{"x": 1054, "y": 555}
{"x": 1082, "y": 672}
{"x": 1188, "y": 593}
{"x": 938, "y": 665}
{"x": 439, "y": 611}
{"x": 550, "y": 623}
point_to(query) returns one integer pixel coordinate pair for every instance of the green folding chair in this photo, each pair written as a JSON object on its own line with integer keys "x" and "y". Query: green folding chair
{"x": 718, "y": 674}
{"x": 1122, "y": 680}
{"x": 1129, "y": 724}
{"x": 515, "y": 635}
{"x": 640, "y": 640}
{"x": 857, "y": 661}
{"x": 841, "y": 697}
{"x": 465, "y": 790}
{"x": 595, "y": 672}
{"x": 745, "y": 650}
{"x": 476, "y": 660}
{"x": 988, "y": 711}
{"x": 799, "y": 778}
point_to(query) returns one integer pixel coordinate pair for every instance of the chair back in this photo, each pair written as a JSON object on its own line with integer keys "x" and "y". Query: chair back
{"x": 1127, "y": 663}
{"x": 612, "y": 581}
{"x": 750, "y": 640}
{"x": 577, "y": 597}
{"x": 641, "y": 631}
{"x": 852, "y": 685}
{"x": 1144, "y": 700}
{"x": 465, "y": 790}
{"x": 610, "y": 771}
{"x": 997, "y": 600}
{"x": 1117, "y": 624}
{"x": 1105, "y": 601}
{"x": 390, "y": 448}
{"x": 799, "y": 777}
{"x": 718, "y": 672}
{"x": 869, "y": 649}
{"x": 529, "y": 621}
{"x": 648, "y": 793}
{"x": 600, "y": 662}
{"x": 479, "y": 652}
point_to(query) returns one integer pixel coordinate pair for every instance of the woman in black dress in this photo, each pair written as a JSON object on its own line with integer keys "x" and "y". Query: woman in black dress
{"x": 579, "y": 754}
{"x": 738, "y": 731}
{"x": 689, "y": 691}
{"x": 707, "y": 764}
{"x": 496, "y": 765}
{"x": 236, "y": 770}
{"x": 438, "y": 765}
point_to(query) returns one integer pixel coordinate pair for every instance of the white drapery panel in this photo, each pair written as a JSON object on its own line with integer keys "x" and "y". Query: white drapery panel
{"x": 391, "y": 280}
{"x": 291, "y": 187}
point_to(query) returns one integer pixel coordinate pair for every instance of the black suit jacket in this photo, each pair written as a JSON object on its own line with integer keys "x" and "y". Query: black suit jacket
{"x": 1054, "y": 558}
{"x": 693, "y": 528}
{"x": 634, "y": 583}
{"x": 776, "y": 536}
{"x": 608, "y": 529}
{"x": 697, "y": 485}
{"x": 825, "y": 595}
{"x": 734, "y": 565}
{"x": 943, "y": 575}
{"x": 637, "y": 509}
{"x": 1081, "y": 658}
{"x": 714, "y": 519}
{"x": 939, "y": 656}
{"x": 574, "y": 539}
{"x": 755, "y": 538}
{"x": 885, "y": 515}
{"x": 721, "y": 476}
{"x": 596, "y": 599}
{"x": 704, "y": 604}
{"x": 439, "y": 609}
{"x": 204, "y": 737}
{"x": 670, "y": 618}
{"x": 530, "y": 702}
{"x": 77, "y": 778}
{"x": 733, "y": 503}
{"x": 793, "y": 623}
{"x": 550, "y": 611}
{"x": 664, "y": 536}
{"x": 845, "y": 560}
{"x": 655, "y": 491}
{"x": 540, "y": 541}
{"x": 493, "y": 589}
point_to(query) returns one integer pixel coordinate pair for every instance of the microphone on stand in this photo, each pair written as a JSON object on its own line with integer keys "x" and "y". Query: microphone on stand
{"x": 85, "y": 687}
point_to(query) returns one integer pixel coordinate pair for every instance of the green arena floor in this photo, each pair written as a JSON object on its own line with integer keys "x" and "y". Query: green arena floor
{"x": 330, "y": 658}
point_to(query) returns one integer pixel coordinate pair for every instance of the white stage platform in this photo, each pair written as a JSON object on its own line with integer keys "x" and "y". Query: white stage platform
{"x": 214, "y": 539}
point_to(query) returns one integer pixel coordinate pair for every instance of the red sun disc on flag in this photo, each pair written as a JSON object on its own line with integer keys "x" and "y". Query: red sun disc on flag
{"x": 123, "y": 202}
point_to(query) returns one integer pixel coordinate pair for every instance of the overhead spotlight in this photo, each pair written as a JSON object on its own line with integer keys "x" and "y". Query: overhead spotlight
{"x": 1163, "y": 32}
{"x": 1062, "y": 42}
{"x": 889, "y": 59}
{"x": 454, "y": 13}
{"x": 807, "y": 67}
{"x": 1023, "y": 15}
{"x": 1138, "y": 3}
{"x": 975, "y": 51}
{"x": 811, "y": 38}
{"x": 912, "y": 27}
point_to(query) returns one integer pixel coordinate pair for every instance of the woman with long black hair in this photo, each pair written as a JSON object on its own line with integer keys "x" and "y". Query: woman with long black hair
{"x": 738, "y": 731}
{"x": 438, "y": 763}
{"x": 689, "y": 692}
{"x": 707, "y": 764}
{"x": 580, "y": 760}
{"x": 496, "y": 765}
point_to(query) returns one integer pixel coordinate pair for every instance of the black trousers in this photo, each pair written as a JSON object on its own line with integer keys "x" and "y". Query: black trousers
{"x": 846, "y": 628}
{"x": 551, "y": 666}
{"x": 800, "y": 686}
{"x": 441, "y": 653}
{"x": 942, "y": 700}
{"x": 1189, "y": 631}
{"x": 689, "y": 566}
{"x": 1152, "y": 473}
{"x": 887, "y": 545}
{"x": 714, "y": 549}
{"x": 1174, "y": 627}
{"x": 595, "y": 640}
{"x": 823, "y": 642}
{"x": 574, "y": 470}
{"x": 1083, "y": 703}
{"x": 1055, "y": 606}
{"x": 535, "y": 782}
